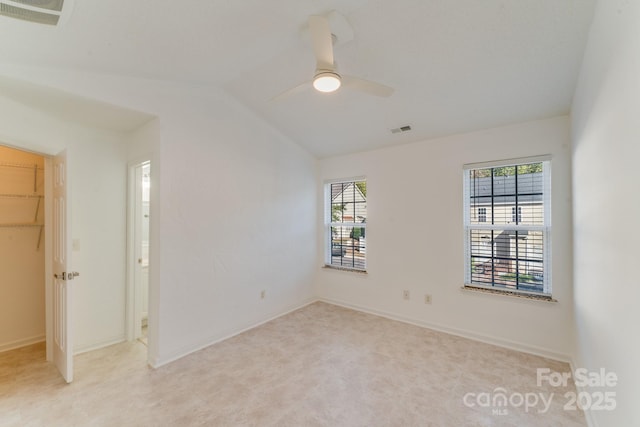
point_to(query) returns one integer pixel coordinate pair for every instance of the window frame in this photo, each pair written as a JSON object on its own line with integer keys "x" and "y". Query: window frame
{"x": 546, "y": 228}
{"x": 329, "y": 224}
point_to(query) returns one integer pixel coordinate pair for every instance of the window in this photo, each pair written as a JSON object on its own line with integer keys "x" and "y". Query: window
{"x": 346, "y": 213}
{"x": 517, "y": 219}
{"x": 507, "y": 240}
{"x": 482, "y": 214}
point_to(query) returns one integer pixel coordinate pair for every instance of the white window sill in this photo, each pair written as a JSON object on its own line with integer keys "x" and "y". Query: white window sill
{"x": 510, "y": 294}
{"x": 350, "y": 270}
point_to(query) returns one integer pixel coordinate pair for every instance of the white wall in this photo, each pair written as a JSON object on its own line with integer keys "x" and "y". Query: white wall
{"x": 97, "y": 175}
{"x": 236, "y": 216}
{"x": 415, "y": 238}
{"x": 606, "y": 149}
{"x": 233, "y": 213}
{"x": 233, "y": 208}
{"x": 22, "y": 309}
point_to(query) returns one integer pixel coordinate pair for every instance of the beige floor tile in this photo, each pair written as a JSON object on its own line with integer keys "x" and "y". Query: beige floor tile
{"x": 322, "y": 365}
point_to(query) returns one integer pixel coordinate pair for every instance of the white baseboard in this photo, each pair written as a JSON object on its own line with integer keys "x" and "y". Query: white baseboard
{"x": 21, "y": 343}
{"x": 187, "y": 350}
{"x": 512, "y": 345}
{"x": 102, "y": 344}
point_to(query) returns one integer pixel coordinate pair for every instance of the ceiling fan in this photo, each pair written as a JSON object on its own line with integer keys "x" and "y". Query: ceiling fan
{"x": 326, "y": 78}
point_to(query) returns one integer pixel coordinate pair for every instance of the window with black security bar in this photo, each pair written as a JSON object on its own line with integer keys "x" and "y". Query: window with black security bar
{"x": 347, "y": 224}
{"x": 507, "y": 227}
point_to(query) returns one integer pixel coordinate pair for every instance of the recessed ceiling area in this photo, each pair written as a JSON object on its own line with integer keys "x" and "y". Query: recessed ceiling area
{"x": 455, "y": 66}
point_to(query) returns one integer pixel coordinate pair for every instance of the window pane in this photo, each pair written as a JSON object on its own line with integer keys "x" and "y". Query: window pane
{"x": 503, "y": 208}
{"x": 480, "y": 196}
{"x": 360, "y": 211}
{"x": 348, "y": 207}
{"x": 500, "y": 196}
{"x": 510, "y": 198}
{"x": 530, "y": 194}
{"x": 507, "y": 259}
{"x": 504, "y": 195}
{"x": 481, "y": 243}
{"x": 348, "y": 202}
{"x": 480, "y": 210}
{"x": 337, "y": 210}
{"x": 348, "y": 247}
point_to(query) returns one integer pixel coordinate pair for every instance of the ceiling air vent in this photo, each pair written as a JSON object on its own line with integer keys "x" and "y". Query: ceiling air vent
{"x": 401, "y": 129}
{"x": 38, "y": 11}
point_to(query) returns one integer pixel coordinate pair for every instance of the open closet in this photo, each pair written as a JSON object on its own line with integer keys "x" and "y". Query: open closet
{"x": 22, "y": 261}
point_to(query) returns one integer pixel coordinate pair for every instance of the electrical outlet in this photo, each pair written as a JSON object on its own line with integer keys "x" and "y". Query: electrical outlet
{"x": 263, "y": 294}
{"x": 427, "y": 299}
{"x": 405, "y": 294}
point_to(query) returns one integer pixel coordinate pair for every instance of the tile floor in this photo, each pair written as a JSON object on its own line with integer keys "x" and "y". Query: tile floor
{"x": 322, "y": 365}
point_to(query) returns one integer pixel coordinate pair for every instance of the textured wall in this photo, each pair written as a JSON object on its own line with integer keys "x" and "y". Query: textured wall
{"x": 606, "y": 205}
{"x": 415, "y": 238}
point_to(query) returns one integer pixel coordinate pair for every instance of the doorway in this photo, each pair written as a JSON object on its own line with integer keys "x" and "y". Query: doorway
{"x": 22, "y": 250}
{"x": 38, "y": 308}
{"x": 139, "y": 203}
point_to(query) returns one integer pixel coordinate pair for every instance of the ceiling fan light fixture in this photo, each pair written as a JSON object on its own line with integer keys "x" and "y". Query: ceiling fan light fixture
{"x": 327, "y": 81}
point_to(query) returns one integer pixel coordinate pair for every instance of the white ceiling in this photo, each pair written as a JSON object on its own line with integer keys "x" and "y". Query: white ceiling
{"x": 456, "y": 65}
{"x": 70, "y": 107}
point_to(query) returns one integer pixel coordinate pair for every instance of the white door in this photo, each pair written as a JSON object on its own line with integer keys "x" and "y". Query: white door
{"x": 62, "y": 283}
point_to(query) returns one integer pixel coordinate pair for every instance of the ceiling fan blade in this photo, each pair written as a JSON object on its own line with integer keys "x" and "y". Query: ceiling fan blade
{"x": 366, "y": 86}
{"x": 322, "y": 41}
{"x": 291, "y": 92}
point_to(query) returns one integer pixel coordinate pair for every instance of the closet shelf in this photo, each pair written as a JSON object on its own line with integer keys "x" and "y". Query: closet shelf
{"x": 20, "y": 165}
{"x": 21, "y": 196}
{"x": 36, "y": 171}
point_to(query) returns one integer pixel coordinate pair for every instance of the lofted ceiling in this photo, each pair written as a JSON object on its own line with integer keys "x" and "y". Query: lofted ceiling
{"x": 455, "y": 65}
